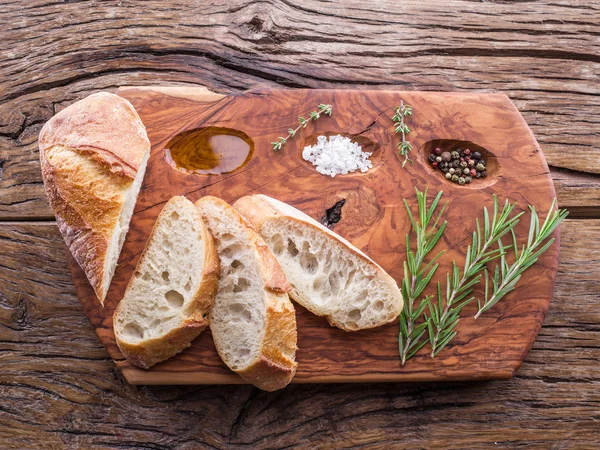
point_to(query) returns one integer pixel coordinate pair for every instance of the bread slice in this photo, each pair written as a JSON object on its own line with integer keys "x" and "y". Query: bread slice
{"x": 329, "y": 276}
{"x": 93, "y": 156}
{"x": 253, "y": 322}
{"x": 168, "y": 298}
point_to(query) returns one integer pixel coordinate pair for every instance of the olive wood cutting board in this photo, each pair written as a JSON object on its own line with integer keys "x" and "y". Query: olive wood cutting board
{"x": 373, "y": 218}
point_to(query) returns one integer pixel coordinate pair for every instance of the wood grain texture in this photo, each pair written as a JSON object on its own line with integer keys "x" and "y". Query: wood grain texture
{"x": 373, "y": 219}
{"x": 59, "y": 387}
{"x": 544, "y": 55}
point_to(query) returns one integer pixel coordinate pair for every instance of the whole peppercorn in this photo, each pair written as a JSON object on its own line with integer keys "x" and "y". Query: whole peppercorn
{"x": 455, "y": 155}
{"x": 476, "y": 155}
{"x": 438, "y": 158}
{"x": 470, "y": 162}
{"x": 452, "y": 170}
{"x": 484, "y": 173}
{"x": 468, "y": 180}
{"x": 473, "y": 172}
{"x": 455, "y": 178}
{"x": 445, "y": 169}
{"x": 448, "y": 175}
{"x": 437, "y": 150}
{"x": 466, "y": 171}
{"x": 478, "y": 175}
{"x": 461, "y": 181}
{"x": 463, "y": 164}
{"x": 467, "y": 151}
{"x": 446, "y": 156}
{"x": 462, "y": 159}
{"x": 431, "y": 157}
{"x": 434, "y": 164}
{"x": 480, "y": 167}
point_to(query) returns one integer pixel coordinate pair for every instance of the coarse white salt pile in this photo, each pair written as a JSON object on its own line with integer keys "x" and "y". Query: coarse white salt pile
{"x": 338, "y": 155}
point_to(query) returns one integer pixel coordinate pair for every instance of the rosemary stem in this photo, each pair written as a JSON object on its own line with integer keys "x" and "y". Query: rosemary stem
{"x": 410, "y": 301}
{"x": 515, "y": 269}
{"x": 463, "y": 280}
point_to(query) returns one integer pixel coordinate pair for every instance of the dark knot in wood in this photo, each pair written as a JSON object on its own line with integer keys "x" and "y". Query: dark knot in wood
{"x": 334, "y": 214}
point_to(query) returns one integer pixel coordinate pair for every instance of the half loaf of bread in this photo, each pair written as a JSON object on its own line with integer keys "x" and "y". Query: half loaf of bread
{"x": 253, "y": 322}
{"x": 93, "y": 156}
{"x": 329, "y": 276}
{"x": 168, "y": 298}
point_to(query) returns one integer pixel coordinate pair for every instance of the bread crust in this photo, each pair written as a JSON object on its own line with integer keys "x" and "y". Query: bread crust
{"x": 105, "y": 127}
{"x": 90, "y": 154}
{"x": 257, "y": 209}
{"x": 275, "y": 365}
{"x": 151, "y": 351}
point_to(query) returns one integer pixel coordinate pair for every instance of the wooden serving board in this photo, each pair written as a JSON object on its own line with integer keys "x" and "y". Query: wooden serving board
{"x": 373, "y": 218}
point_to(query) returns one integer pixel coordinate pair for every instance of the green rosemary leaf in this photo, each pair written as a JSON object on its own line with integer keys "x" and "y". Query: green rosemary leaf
{"x": 443, "y": 342}
{"x": 410, "y": 216}
{"x": 486, "y": 224}
{"x": 460, "y": 285}
{"x": 432, "y": 262}
{"x": 418, "y": 274}
{"x": 507, "y": 276}
{"x": 422, "y": 306}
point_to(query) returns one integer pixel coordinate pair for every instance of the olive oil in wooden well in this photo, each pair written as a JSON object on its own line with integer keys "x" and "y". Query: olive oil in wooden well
{"x": 209, "y": 151}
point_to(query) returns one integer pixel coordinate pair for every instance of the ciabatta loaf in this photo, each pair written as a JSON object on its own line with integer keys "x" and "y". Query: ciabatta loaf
{"x": 329, "y": 276}
{"x": 252, "y": 322}
{"x": 168, "y": 298}
{"x": 93, "y": 156}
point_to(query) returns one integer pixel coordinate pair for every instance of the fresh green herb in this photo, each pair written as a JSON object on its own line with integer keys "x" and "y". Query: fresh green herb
{"x": 444, "y": 318}
{"x": 507, "y": 276}
{"x": 314, "y": 115}
{"x": 417, "y": 274}
{"x": 400, "y": 112}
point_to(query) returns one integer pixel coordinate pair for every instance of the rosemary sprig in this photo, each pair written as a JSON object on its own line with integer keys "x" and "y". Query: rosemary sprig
{"x": 444, "y": 318}
{"x": 507, "y": 276}
{"x": 417, "y": 274}
{"x": 314, "y": 115}
{"x": 400, "y": 112}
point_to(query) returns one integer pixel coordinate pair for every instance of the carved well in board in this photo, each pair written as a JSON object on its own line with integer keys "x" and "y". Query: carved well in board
{"x": 367, "y": 145}
{"x": 494, "y": 168}
{"x": 209, "y": 150}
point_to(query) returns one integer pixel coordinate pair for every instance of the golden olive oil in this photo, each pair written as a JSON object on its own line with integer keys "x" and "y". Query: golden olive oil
{"x": 209, "y": 151}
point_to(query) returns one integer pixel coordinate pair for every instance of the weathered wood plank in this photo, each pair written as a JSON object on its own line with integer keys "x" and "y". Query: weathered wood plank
{"x": 544, "y": 57}
{"x": 60, "y": 388}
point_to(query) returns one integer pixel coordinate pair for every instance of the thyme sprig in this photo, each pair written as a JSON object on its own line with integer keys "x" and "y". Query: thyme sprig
{"x": 417, "y": 274}
{"x": 313, "y": 115}
{"x": 400, "y": 112}
{"x": 444, "y": 316}
{"x": 507, "y": 276}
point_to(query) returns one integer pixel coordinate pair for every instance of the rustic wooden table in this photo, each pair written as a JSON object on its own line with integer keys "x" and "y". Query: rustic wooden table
{"x": 59, "y": 388}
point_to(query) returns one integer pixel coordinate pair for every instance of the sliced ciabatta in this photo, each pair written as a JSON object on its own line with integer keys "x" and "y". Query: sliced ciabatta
{"x": 252, "y": 322}
{"x": 168, "y": 298}
{"x": 93, "y": 156}
{"x": 329, "y": 276}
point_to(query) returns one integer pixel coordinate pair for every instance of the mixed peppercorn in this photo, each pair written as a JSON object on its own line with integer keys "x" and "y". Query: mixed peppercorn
{"x": 459, "y": 166}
